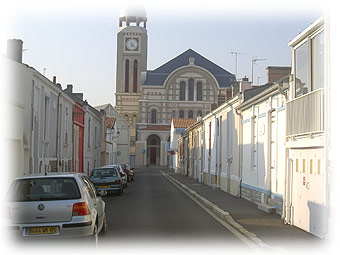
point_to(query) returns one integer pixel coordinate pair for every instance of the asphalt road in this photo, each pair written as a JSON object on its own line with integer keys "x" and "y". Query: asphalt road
{"x": 152, "y": 209}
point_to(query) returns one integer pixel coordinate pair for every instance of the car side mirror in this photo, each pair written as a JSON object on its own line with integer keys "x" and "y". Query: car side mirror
{"x": 102, "y": 193}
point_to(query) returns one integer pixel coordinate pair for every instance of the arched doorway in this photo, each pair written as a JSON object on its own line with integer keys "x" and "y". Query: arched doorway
{"x": 153, "y": 150}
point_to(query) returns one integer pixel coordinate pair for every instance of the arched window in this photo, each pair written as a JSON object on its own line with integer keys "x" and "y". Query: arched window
{"x": 199, "y": 113}
{"x": 153, "y": 116}
{"x": 191, "y": 90}
{"x": 135, "y": 73}
{"x": 182, "y": 91}
{"x": 173, "y": 114}
{"x": 190, "y": 115}
{"x": 126, "y": 117}
{"x": 199, "y": 91}
{"x": 127, "y": 64}
{"x": 181, "y": 114}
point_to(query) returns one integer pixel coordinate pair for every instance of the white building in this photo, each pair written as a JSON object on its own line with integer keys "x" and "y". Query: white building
{"x": 307, "y": 172}
{"x": 263, "y": 153}
{"x": 92, "y": 138}
{"x": 178, "y": 126}
{"x": 118, "y": 133}
{"x": 44, "y": 115}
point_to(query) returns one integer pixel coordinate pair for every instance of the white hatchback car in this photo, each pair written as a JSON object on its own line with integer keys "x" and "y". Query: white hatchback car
{"x": 58, "y": 205}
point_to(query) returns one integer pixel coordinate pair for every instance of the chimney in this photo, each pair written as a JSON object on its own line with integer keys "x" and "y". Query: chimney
{"x": 213, "y": 106}
{"x": 199, "y": 117}
{"x": 245, "y": 84}
{"x": 228, "y": 93}
{"x": 275, "y": 73}
{"x": 235, "y": 89}
{"x": 55, "y": 79}
{"x": 69, "y": 88}
{"x": 220, "y": 98}
{"x": 14, "y": 49}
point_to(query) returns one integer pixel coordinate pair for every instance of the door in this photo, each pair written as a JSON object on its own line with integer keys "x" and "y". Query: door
{"x": 153, "y": 154}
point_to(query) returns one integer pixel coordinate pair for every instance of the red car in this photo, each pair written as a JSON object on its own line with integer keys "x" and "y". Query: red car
{"x": 128, "y": 171}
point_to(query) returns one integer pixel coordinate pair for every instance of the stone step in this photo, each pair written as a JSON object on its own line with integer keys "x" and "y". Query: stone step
{"x": 214, "y": 187}
{"x": 267, "y": 208}
{"x": 271, "y": 201}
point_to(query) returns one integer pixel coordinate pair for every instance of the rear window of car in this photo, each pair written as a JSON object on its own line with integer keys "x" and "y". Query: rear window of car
{"x": 104, "y": 172}
{"x": 43, "y": 189}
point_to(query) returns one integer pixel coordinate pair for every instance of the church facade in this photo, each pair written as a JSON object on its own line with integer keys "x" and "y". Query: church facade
{"x": 184, "y": 87}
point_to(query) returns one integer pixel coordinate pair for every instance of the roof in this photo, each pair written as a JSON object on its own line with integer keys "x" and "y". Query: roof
{"x": 110, "y": 122}
{"x": 183, "y": 123}
{"x": 158, "y": 76}
{"x": 161, "y": 127}
{"x": 249, "y": 93}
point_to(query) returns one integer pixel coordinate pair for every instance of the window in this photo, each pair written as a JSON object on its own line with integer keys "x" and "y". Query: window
{"x": 181, "y": 114}
{"x": 301, "y": 70}
{"x": 89, "y": 134}
{"x": 199, "y": 113}
{"x": 304, "y": 166}
{"x": 153, "y": 116}
{"x": 297, "y": 165}
{"x": 46, "y": 117}
{"x": 191, "y": 90}
{"x": 309, "y": 65}
{"x": 199, "y": 91}
{"x": 127, "y": 64}
{"x": 190, "y": 115}
{"x": 66, "y": 125}
{"x": 182, "y": 91}
{"x": 311, "y": 166}
{"x": 135, "y": 75}
{"x": 173, "y": 114}
{"x": 318, "y": 61}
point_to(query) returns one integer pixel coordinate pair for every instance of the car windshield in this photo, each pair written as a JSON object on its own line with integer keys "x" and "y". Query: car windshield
{"x": 43, "y": 189}
{"x": 104, "y": 172}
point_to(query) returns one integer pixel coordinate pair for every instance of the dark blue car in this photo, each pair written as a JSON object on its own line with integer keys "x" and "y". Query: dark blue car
{"x": 107, "y": 178}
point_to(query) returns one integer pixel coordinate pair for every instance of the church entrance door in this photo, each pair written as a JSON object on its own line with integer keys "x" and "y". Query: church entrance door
{"x": 153, "y": 150}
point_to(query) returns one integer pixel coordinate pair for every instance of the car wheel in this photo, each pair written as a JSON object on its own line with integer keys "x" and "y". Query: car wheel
{"x": 104, "y": 228}
{"x": 95, "y": 235}
{"x": 120, "y": 192}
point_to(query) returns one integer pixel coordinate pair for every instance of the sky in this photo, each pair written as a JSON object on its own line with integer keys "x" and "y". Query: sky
{"x": 76, "y": 40}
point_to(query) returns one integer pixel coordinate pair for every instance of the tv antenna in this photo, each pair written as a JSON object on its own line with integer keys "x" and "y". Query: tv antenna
{"x": 253, "y": 61}
{"x": 236, "y": 54}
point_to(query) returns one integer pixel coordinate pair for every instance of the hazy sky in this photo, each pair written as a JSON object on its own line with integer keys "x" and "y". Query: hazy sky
{"x": 76, "y": 40}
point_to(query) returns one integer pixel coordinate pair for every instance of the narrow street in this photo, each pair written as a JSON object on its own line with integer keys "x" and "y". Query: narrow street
{"x": 152, "y": 208}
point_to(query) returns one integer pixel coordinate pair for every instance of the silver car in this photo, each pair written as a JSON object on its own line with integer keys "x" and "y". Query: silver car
{"x": 55, "y": 206}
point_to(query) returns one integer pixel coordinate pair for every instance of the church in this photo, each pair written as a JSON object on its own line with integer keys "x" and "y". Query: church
{"x": 186, "y": 86}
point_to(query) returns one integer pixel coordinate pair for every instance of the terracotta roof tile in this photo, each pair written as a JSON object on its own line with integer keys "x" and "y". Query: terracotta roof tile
{"x": 183, "y": 123}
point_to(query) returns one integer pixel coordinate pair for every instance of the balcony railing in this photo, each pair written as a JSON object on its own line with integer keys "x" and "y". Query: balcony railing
{"x": 305, "y": 114}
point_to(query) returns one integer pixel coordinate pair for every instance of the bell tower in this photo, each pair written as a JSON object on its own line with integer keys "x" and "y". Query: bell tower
{"x": 132, "y": 40}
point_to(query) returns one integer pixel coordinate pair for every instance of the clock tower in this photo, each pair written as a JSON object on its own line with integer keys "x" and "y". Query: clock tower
{"x": 132, "y": 45}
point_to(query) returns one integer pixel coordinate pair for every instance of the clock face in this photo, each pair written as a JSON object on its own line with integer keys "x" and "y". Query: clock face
{"x": 131, "y": 44}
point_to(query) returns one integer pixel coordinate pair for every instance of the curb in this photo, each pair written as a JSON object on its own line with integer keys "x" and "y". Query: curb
{"x": 223, "y": 215}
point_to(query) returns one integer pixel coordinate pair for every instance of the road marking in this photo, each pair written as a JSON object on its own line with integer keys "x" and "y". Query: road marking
{"x": 250, "y": 239}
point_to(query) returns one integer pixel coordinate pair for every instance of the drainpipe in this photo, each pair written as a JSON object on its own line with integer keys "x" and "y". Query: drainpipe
{"x": 57, "y": 138}
{"x": 240, "y": 151}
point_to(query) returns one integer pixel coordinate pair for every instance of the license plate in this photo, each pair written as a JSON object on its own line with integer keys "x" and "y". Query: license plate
{"x": 42, "y": 231}
{"x": 104, "y": 186}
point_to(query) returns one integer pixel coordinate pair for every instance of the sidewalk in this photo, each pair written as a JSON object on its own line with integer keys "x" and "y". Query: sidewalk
{"x": 270, "y": 229}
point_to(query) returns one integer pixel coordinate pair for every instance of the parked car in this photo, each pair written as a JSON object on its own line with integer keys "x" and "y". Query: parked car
{"x": 55, "y": 206}
{"x": 107, "y": 178}
{"x": 129, "y": 171}
{"x": 123, "y": 175}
